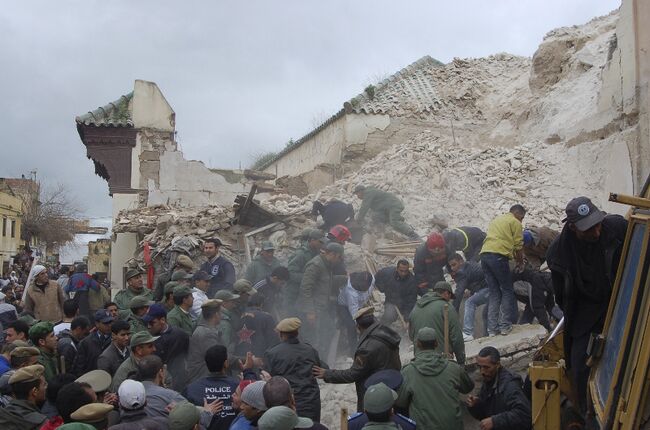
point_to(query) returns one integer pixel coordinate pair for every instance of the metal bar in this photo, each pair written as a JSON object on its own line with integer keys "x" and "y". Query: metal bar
{"x": 640, "y": 202}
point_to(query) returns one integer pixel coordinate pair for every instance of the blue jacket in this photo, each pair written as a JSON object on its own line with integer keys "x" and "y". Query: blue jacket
{"x": 241, "y": 423}
{"x": 4, "y": 364}
{"x": 358, "y": 420}
{"x": 81, "y": 282}
{"x": 222, "y": 272}
{"x": 214, "y": 387}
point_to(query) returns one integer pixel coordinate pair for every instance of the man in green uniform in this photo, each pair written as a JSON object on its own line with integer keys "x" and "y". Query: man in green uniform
{"x": 168, "y": 295}
{"x": 245, "y": 289}
{"x": 309, "y": 249}
{"x": 24, "y": 410}
{"x": 179, "y": 316}
{"x": 386, "y": 207}
{"x": 378, "y": 349}
{"x": 134, "y": 287}
{"x": 432, "y": 385}
{"x": 141, "y": 345}
{"x": 138, "y": 306}
{"x": 434, "y": 310}
{"x": 228, "y": 303}
{"x": 378, "y": 405}
{"x": 263, "y": 264}
{"x": 318, "y": 296}
{"x": 42, "y": 336}
{"x": 205, "y": 336}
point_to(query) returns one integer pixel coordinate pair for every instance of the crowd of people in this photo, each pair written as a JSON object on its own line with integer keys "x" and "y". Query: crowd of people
{"x": 211, "y": 348}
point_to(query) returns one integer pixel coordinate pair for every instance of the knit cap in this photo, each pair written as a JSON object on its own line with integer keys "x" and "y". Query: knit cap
{"x": 253, "y": 396}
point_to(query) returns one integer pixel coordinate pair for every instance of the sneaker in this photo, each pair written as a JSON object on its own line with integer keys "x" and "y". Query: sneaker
{"x": 467, "y": 337}
{"x": 506, "y": 332}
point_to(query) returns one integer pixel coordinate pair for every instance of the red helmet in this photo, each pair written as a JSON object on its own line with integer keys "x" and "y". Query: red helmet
{"x": 435, "y": 241}
{"x": 340, "y": 233}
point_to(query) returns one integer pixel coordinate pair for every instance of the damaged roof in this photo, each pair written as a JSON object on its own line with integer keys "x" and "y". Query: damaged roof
{"x": 114, "y": 114}
{"x": 409, "y": 92}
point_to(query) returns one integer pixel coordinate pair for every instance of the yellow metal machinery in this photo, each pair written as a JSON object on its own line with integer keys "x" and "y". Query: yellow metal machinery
{"x": 619, "y": 382}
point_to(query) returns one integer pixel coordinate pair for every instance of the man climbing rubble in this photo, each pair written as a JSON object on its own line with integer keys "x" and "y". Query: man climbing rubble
{"x": 387, "y": 208}
{"x": 333, "y": 212}
{"x": 399, "y": 286}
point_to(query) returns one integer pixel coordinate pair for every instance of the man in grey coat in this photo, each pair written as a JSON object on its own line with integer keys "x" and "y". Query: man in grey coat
{"x": 118, "y": 351}
{"x": 205, "y": 336}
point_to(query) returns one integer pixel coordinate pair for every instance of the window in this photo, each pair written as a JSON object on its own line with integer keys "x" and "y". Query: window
{"x": 13, "y": 228}
{"x": 4, "y": 227}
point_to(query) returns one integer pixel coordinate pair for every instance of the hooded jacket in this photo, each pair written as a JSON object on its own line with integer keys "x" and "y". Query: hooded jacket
{"x": 505, "y": 402}
{"x": 429, "y": 312}
{"x": 430, "y": 391}
{"x": 20, "y": 415}
{"x": 378, "y": 349}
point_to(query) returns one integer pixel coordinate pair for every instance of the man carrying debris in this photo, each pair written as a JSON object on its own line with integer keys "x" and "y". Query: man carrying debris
{"x": 398, "y": 284}
{"x": 429, "y": 261}
{"x": 263, "y": 264}
{"x": 386, "y": 207}
{"x": 470, "y": 284}
{"x": 318, "y": 296}
{"x": 433, "y": 310}
{"x": 333, "y": 212}
{"x": 134, "y": 287}
{"x": 501, "y": 403}
{"x": 432, "y": 386}
{"x": 217, "y": 266}
{"x": 310, "y": 248}
{"x": 503, "y": 241}
{"x": 378, "y": 349}
{"x": 583, "y": 262}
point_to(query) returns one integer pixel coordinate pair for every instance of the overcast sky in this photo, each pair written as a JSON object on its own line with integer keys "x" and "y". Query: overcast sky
{"x": 242, "y": 76}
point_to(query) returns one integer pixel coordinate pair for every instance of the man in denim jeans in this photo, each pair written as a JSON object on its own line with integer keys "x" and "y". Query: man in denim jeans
{"x": 471, "y": 285}
{"x": 504, "y": 241}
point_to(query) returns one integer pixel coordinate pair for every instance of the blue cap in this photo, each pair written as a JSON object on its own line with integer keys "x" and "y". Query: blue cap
{"x": 103, "y": 316}
{"x": 528, "y": 238}
{"x": 155, "y": 311}
{"x": 391, "y": 377}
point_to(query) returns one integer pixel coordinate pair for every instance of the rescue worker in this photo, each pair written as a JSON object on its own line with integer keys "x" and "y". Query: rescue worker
{"x": 428, "y": 263}
{"x": 432, "y": 386}
{"x": 536, "y": 243}
{"x": 179, "y": 316}
{"x": 583, "y": 262}
{"x": 469, "y": 240}
{"x": 318, "y": 296}
{"x": 217, "y": 266}
{"x": 42, "y": 337}
{"x": 272, "y": 289}
{"x": 398, "y": 284}
{"x": 138, "y": 307}
{"x": 204, "y": 337}
{"x": 434, "y": 310}
{"x": 226, "y": 325}
{"x": 501, "y": 403}
{"x": 378, "y": 406}
{"x": 293, "y": 360}
{"x": 504, "y": 241}
{"x": 386, "y": 207}
{"x": 297, "y": 262}
{"x": 333, "y": 212}
{"x": 378, "y": 349}
{"x": 134, "y": 287}
{"x": 263, "y": 264}
{"x": 471, "y": 285}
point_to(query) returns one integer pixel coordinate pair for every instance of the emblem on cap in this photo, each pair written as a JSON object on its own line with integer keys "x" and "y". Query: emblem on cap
{"x": 583, "y": 209}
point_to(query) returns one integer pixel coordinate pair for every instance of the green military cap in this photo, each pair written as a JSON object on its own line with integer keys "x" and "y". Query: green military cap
{"x": 184, "y": 416}
{"x": 426, "y": 334}
{"x": 92, "y": 412}
{"x": 132, "y": 273}
{"x": 368, "y": 310}
{"x": 379, "y": 399}
{"x": 28, "y": 319}
{"x": 244, "y": 286}
{"x": 359, "y": 188}
{"x": 180, "y": 275}
{"x": 141, "y": 338}
{"x": 27, "y": 374}
{"x": 20, "y": 343}
{"x": 140, "y": 302}
{"x": 169, "y": 287}
{"x": 334, "y": 247}
{"x": 25, "y": 351}
{"x": 288, "y": 325}
{"x": 212, "y": 303}
{"x": 41, "y": 329}
{"x": 185, "y": 261}
{"x": 99, "y": 380}
{"x": 316, "y": 234}
{"x": 226, "y": 295}
{"x": 282, "y": 417}
{"x": 443, "y": 286}
{"x": 267, "y": 245}
{"x": 182, "y": 291}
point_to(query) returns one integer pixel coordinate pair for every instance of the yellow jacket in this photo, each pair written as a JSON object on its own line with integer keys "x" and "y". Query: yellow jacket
{"x": 504, "y": 236}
